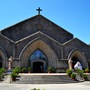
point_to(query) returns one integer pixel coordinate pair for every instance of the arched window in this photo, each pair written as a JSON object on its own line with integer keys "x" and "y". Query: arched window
{"x": 38, "y": 54}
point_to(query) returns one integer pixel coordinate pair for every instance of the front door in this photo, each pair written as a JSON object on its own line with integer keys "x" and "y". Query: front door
{"x": 38, "y": 67}
{"x": 38, "y": 61}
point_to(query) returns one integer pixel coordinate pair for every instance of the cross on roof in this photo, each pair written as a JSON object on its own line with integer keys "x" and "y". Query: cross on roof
{"x": 39, "y": 10}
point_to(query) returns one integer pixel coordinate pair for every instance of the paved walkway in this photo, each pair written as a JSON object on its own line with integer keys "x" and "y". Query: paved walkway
{"x": 72, "y": 86}
{"x": 42, "y": 74}
{"x": 7, "y": 79}
{"x": 6, "y": 85}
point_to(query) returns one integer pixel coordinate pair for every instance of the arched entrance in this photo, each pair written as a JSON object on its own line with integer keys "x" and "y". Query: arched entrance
{"x": 38, "y": 61}
{"x": 3, "y": 58}
{"x": 1, "y": 62}
{"x": 76, "y": 56}
{"x": 38, "y": 45}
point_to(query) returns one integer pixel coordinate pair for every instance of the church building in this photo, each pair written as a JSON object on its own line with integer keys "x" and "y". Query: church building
{"x": 39, "y": 43}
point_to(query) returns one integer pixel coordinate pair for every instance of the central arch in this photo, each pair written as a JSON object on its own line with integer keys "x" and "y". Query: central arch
{"x": 46, "y": 49}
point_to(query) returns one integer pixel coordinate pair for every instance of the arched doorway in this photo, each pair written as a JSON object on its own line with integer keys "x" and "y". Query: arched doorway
{"x": 38, "y": 45}
{"x": 38, "y": 61}
{"x": 0, "y": 62}
{"x": 3, "y": 58}
{"x": 76, "y": 56}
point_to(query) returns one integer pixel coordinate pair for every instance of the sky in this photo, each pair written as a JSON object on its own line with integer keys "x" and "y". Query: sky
{"x": 72, "y": 15}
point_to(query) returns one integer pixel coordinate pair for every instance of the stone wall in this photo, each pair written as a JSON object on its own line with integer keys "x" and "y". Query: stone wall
{"x": 89, "y": 57}
{"x": 75, "y": 44}
{"x": 7, "y": 45}
{"x": 89, "y": 52}
{"x": 35, "y": 24}
{"x": 54, "y": 45}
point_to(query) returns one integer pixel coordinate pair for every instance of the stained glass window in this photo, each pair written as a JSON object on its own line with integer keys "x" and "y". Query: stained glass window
{"x": 38, "y": 55}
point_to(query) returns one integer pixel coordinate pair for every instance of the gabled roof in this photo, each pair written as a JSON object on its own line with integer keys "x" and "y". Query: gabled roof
{"x": 34, "y": 24}
{"x": 75, "y": 41}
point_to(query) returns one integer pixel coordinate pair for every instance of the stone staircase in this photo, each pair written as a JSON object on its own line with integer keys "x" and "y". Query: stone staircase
{"x": 44, "y": 78}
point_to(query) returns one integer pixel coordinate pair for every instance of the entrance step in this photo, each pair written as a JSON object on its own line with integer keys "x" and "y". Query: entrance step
{"x": 43, "y": 79}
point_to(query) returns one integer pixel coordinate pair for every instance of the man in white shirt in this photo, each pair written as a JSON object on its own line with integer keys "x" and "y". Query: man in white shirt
{"x": 78, "y": 66}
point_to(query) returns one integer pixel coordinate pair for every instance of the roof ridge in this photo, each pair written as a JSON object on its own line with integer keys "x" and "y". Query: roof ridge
{"x": 19, "y": 22}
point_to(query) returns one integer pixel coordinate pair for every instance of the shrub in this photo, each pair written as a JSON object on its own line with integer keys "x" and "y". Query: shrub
{"x": 3, "y": 70}
{"x": 13, "y": 74}
{"x": 36, "y": 89}
{"x": 69, "y": 72}
{"x": 87, "y": 70}
{"x": 0, "y": 76}
{"x": 73, "y": 75}
{"x": 85, "y": 76}
{"x": 29, "y": 68}
{"x": 51, "y": 69}
{"x": 80, "y": 72}
{"x": 18, "y": 70}
{"x": 24, "y": 69}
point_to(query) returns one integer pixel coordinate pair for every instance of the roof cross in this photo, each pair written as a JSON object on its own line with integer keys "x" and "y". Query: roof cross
{"x": 39, "y": 10}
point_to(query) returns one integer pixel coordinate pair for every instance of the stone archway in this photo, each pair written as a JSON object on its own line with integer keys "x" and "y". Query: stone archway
{"x": 38, "y": 44}
{"x": 76, "y": 56}
{"x": 3, "y": 58}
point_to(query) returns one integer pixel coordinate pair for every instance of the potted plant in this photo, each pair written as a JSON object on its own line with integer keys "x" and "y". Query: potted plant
{"x": 29, "y": 69}
{"x": 85, "y": 76}
{"x": 73, "y": 76}
{"x": 13, "y": 75}
{"x": 87, "y": 70}
{"x": 69, "y": 72}
{"x": 80, "y": 72}
{"x": 24, "y": 70}
{"x": 18, "y": 70}
{"x": 3, "y": 70}
{"x": 37, "y": 89}
{"x": 51, "y": 69}
{"x": 0, "y": 76}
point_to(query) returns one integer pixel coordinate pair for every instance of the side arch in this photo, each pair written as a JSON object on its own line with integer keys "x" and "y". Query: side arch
{"x": 38, "y": 44}
{"x": 3, "y": 58}
{"x": 77, "y": 55}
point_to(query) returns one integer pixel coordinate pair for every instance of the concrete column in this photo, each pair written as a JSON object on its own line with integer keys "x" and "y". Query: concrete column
{"x": 14, "y": 50}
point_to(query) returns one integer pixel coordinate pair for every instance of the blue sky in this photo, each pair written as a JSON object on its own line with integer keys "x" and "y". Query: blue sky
{"x": 72, "y": 15}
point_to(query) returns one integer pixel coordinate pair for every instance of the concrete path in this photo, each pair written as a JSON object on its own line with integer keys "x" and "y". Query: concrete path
{"x": 6, "y": 85}
{"x": 42, "y": 74}
{"x": 72, "y": 86}
{"x": 7, "y": 79}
